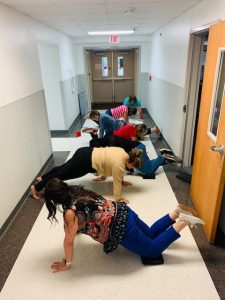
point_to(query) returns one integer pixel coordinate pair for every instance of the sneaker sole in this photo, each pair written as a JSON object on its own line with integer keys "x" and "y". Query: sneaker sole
{"x": 166, "y": 151}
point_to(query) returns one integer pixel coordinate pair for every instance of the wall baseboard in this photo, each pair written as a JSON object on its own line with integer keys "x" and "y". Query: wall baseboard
{"x": 65, "y": 133}
{"x": 149, "y": 116}
{"x": 23, "y": 199}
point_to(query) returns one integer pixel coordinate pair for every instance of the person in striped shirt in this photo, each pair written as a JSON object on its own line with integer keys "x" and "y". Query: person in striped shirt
{"x": 121, "y": 111}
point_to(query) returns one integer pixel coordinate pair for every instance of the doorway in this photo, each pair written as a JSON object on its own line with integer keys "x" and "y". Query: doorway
{"x": 112, "y": 76}
{"x": 197, "y": 58}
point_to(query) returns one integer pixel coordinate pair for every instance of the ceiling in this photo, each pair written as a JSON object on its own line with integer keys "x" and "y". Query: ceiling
{"x": 77, "y": 17}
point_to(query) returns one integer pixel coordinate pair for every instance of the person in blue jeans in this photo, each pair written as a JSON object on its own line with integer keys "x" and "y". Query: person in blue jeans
{"x": 111, "y": 223}
{"x": 134, "y": 102}
{"x": 107, "y": 124}
{"x": 149, "y": 166}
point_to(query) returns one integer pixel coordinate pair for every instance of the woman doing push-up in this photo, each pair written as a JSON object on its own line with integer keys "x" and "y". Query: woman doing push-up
{"x": 111, "y": 223}
{"x": 109, "y": 161}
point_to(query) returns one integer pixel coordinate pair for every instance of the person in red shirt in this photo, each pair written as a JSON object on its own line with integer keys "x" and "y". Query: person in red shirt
{"x": 134, "y": 132}
{"x": 128, "y": 132}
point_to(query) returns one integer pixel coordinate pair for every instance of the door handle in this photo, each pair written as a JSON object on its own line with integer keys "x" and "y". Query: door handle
{"x": 219, "y": 149}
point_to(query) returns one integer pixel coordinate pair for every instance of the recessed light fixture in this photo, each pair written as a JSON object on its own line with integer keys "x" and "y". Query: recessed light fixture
{"x": 111, "y": 32}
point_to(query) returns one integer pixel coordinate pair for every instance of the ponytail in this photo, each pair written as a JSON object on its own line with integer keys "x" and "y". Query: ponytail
{"x": 141, "y": 131}
{"x": 134, "y": 158}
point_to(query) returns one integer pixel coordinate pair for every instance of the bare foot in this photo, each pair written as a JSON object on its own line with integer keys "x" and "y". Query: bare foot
{"x": 155, "y": 130}
{"x": 39, "y": 178}
{"x": 35, "y": 194}
{"x": 100, "y": 178}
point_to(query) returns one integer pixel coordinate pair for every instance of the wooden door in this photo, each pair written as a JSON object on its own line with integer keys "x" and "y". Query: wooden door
{"x": 101, "y": 66}
{"x": 208, "y": 177}
{"x": 123, "y": 74}
{"x": 113, "y": 76}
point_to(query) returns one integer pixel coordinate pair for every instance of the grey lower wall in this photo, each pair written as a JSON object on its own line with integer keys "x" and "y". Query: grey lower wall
{"x": 25, "y": 147}
{"x": 81, "y": 83}
{"x": 165, "y": 105}
{"x": 144, "y": 89}
{"x": 70, "y": 102}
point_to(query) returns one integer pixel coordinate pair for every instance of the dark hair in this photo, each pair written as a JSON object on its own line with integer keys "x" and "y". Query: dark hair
{"x": 133, "y": 98}
{"x": 132, "y": 111}
{"x": 134, "y": 158}
{"x": 114, "y": 141}
{"x": 58, "y": 192}
{"x": 141, "y": 131}
{"x": 93, "y": 113}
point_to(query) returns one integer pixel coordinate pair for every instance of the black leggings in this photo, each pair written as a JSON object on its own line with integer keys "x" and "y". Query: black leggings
{"x": 114, "y": 141}
{"x": 79, "y": 165}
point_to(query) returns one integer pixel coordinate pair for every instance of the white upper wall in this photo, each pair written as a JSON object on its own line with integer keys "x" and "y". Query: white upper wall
{"x": 170, "y": 45}
{"x": 20, "y": 70}
{"x": 102, "y": 43}
{"x": 168, "y": 62}
{"x": 169, "y": 51}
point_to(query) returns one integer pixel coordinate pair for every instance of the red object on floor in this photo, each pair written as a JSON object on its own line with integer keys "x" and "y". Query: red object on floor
{"x": 77, "y": 133}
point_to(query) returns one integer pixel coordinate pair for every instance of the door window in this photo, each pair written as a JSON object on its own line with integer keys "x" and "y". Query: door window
{"x": 120, "y": 70}
{"x": 105, "y": 68}
{"x": 218, "y": 95}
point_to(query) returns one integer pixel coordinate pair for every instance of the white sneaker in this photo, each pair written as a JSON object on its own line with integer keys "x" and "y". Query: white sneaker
{"x": 191, "y": 219}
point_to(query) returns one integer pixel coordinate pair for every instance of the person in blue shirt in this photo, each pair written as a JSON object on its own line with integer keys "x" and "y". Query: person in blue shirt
{"x": 134, "y": 102}
{"x": 107, "y": 124}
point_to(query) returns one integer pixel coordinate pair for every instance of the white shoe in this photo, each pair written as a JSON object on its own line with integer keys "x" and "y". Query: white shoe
{"x": 182, "y": 208}
{"x": 191, "y": 219}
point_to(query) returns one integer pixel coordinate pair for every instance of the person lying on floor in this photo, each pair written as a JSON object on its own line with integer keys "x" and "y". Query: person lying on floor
{"x": 111, "y": 223}
{"x": 133, "y": 132}
{"x": 149, "y": 166}
{"x": 110, "y": 161}
{"x": 121, "y": 111}
{"x": 109, "y": 125}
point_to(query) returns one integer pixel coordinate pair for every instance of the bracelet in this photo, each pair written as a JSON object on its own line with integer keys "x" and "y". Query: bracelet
{"x": 68, "y": 263}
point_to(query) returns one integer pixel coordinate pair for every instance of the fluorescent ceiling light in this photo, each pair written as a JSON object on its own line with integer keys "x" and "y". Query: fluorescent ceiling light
{"x": 111, "y": 32}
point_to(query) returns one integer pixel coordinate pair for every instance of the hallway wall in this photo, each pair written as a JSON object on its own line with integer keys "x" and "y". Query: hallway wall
{"x": 167, "y": 65}
{"x": 24, "y": 129}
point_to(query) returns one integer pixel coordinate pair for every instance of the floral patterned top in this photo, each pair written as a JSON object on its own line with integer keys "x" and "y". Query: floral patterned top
{"x": 103, "y": 220}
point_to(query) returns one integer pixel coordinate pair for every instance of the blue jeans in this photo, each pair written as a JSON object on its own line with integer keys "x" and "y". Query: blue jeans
{"x": 148, "y": 241}
{"x": 149, "y": 166}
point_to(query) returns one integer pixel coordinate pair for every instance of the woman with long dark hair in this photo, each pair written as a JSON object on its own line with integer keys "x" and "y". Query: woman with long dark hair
{"x": 111, "y": 223}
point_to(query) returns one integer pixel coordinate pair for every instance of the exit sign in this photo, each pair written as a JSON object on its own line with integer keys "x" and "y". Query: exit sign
{"x": 114, "y": 39}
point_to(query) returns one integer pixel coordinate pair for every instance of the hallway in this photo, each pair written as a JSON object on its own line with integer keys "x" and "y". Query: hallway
{"x": 48, "y": 81}
{"x": 13, "y": 240}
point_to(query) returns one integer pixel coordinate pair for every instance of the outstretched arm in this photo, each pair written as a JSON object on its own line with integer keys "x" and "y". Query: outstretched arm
{"x": 140, "y": 113}
{"x": 70, "y": 228}
{"x": 125, "y": 116}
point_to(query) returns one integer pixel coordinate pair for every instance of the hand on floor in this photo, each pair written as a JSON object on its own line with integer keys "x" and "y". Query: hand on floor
{"x": 59, "y": 266}
{"x": 100, "y": 178}
{"x": 126, "y": 183}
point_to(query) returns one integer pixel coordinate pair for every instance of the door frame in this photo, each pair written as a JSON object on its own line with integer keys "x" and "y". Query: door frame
{"x": 192, "y": 89}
